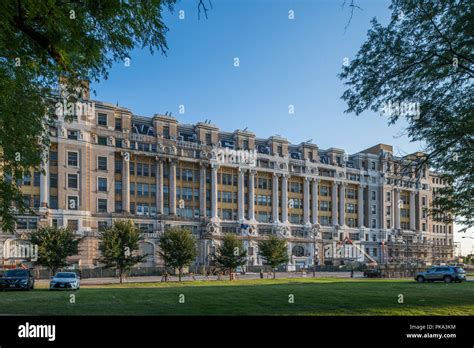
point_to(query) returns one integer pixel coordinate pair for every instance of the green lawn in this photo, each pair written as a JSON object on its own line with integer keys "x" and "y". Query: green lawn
{"x": 318, "y": 296}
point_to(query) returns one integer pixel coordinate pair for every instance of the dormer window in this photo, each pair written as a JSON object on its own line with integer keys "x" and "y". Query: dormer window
{"x": 102, "y": 119}
{"x": 166, "y": 132}
{"x": 246, "y": 145}
{"x": 280, "y": 150}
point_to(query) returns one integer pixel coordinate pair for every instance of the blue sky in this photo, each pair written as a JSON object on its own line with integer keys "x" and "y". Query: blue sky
{"x": 282, "y": 62}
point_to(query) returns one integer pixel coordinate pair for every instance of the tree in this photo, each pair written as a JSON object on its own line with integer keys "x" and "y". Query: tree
{"x": 45, "y": 42}
{"x": 274, "y": 251}
{"x": 117, "y": 245}
{"x": 424, "y": 57}
{"x": 231, "y": 254}
{"x": 177, "y": 248}
{"x": 55, "y": 245}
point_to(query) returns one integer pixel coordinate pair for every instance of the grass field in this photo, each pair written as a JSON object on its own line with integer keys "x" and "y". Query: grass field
{"x": 320, "y": 296}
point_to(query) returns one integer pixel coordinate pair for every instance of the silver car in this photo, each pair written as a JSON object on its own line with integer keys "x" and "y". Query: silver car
{"x": 65, "y": 281}
{"x": 442, "y": 273}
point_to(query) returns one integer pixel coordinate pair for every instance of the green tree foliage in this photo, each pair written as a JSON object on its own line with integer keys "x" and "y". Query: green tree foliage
{"x": 118, "y": 244}
{"x": 274, "y": 251}
{"x": 55, "y": 245}
{"x": 177, "y": 248}
{"x": 425, "y": 55}
{"x": 231, "y": 254}
{"x": 44, "y": 42}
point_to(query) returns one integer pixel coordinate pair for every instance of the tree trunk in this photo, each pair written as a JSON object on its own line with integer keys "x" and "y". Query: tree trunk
{"x": 120, "y": 275}
{"x": 274, "y": 273}
{"x": 180, "y": 271}
{"x": 230, "y": 273}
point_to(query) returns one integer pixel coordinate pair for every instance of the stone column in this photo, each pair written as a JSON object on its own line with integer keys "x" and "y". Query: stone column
{"x": 334, "y": 203}
{"x": 172, "y": 188}
{"x": 251, "y": 198}
{"x": 396, "y": 208}
{"x": 412, "y": 211}
{"x": 214, "y": 214}
{"x": 360, "y": 206}
{"x": 284, "y": 198}
{"x": 44, "y": 184}
{"x": 314, "y": 202}
{"x": 275, "y": 198}
{"x": 159, "y": 186}
{"x": 342, "y": 204}
{"x": 306, "y": 201}
{"x": 126, "y": 182}
{"x": 202, "y": 191}
{"x": 240, "y": 194}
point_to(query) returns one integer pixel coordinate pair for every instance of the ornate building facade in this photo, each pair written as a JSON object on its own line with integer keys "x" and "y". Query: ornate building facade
{"x": 331, "y": 207}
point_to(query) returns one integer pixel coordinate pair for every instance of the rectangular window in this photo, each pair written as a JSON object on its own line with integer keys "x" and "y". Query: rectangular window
{"x": 373, "y": 195}
{"x": 72, "y": 134}
{"x": 118, "y": 166}
{"x": 324, "y": 191}
{"x": 166, "y": 132}
{"x": 53, "y": 180}
{"x": 53, "y": 158}
{"x": 72, "y": 181}
{"x": 102, "y": 163}
{"x": 374, "y": 209}
{"x": 118, "y": 124}
{"x": 72, "y": 159}
{"x": 102, "y": 225}
{"x": 350, "y": 194}
{"x": 102, "y": 184}
{"x": 37, "y": 179}
{"x": 102, "y": 205}
{"x": 118, "y": 187}
{"x": 102, "y": 119}
{"x": 26, "y": 180}
{"x": 36, "y": 201}
{"x": 118, "y": 206}
{"x": 73, "y": 225}
{"x": 53, "y": 202}
{"x": 102, "y": 140}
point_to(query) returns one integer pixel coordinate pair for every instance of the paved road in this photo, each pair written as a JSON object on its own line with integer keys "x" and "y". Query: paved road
{"x": 153, "y": 279}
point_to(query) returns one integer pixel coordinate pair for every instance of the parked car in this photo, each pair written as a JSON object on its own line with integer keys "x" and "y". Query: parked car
{"x": 65, "y": 280}
{"x": 17, "y": 279}
{"x": 443, "y": 273}
{"x": 373, "y": 273}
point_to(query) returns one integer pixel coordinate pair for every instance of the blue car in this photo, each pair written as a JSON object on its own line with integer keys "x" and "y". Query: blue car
{"x": 446, "y": 274}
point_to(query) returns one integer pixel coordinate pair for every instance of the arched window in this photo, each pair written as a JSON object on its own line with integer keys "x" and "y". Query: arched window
{"x": 298, "y": 251}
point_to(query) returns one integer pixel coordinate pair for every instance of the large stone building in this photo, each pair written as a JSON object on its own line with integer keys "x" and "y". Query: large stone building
{"x": 109, "y": 164}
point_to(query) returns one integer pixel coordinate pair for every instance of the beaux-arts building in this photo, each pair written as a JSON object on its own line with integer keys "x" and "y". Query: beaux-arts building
{"x": 109, "y": 164}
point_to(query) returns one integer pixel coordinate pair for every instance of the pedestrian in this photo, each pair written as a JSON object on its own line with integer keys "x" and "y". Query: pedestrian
{"x": 261, "y": 274}
{"x": 352, "y": 273}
